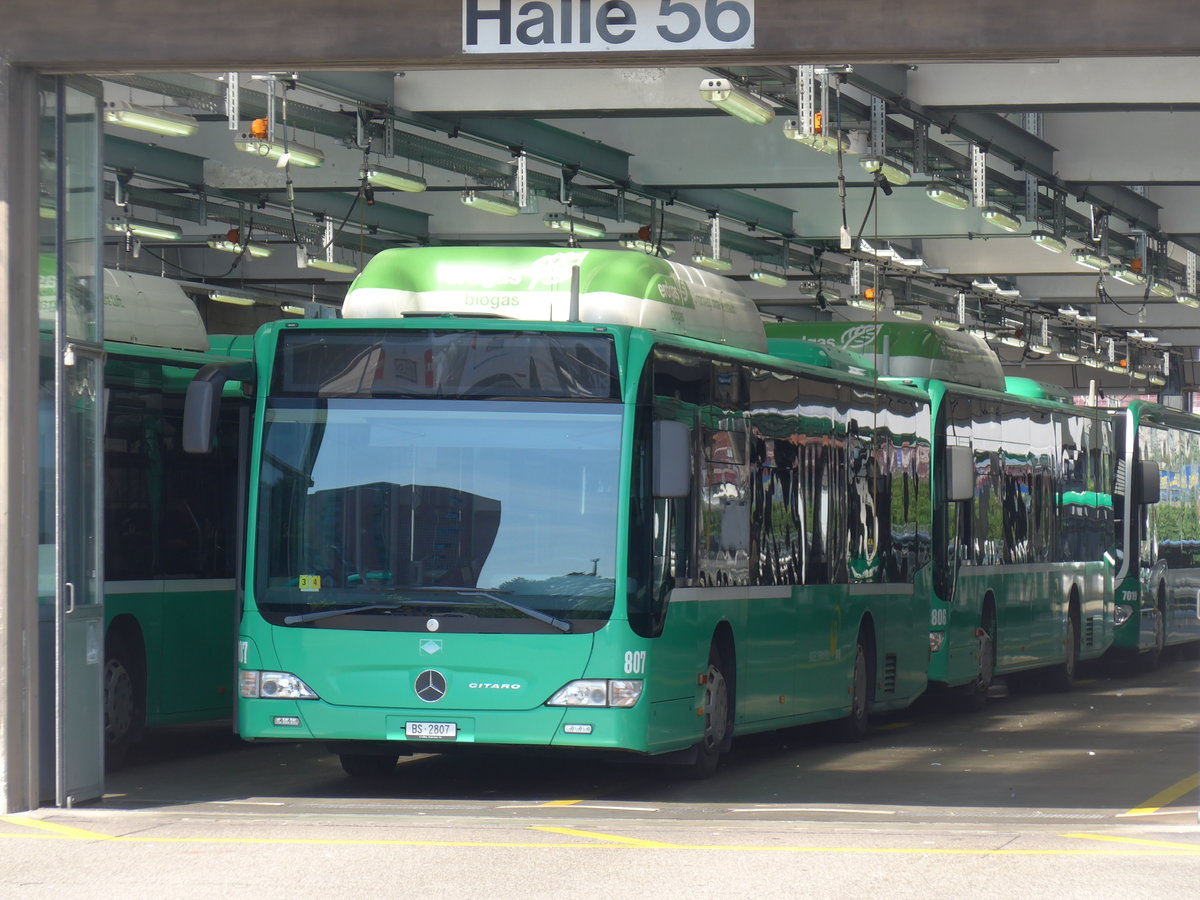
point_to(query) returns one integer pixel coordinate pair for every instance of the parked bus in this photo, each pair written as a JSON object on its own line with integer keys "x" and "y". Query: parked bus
{"x": 1025, "y": 544}
{"x": 487, "y": 509}
{"x": 1158, "y": 593}
{"x": 170, "y": 519}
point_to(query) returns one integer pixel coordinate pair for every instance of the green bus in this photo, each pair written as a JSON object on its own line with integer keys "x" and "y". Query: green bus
{"x": 171, "y": 529}
{"x": 564, "y": 498}
{"x": 1158, "y": 593}
{"x": 1028, "y": 547}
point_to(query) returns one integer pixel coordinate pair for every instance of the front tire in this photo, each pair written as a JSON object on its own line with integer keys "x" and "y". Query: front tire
{"x": 973, "y": 696}
{"x": 718, "y": 719}
{"x": 124, "y": 713}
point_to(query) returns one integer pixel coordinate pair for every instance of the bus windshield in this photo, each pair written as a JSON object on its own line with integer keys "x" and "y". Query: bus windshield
{"x": 378, "y": 514}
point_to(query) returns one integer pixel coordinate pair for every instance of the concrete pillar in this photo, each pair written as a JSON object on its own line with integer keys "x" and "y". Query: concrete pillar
{"x": 18, "y": 437}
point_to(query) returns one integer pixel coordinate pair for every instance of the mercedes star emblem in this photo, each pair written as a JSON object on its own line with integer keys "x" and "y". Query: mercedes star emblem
{"x": 431, "y": 686}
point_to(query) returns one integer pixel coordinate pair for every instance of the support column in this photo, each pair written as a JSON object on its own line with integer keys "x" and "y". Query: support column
{"x": 18, "y": 438}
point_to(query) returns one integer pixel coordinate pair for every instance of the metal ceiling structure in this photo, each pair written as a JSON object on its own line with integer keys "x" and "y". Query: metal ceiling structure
{"x": 1094, "y": 153}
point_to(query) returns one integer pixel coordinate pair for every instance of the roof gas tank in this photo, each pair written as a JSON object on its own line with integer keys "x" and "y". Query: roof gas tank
{"x": 616, "y": 287}
{"x": 152, "y": 311}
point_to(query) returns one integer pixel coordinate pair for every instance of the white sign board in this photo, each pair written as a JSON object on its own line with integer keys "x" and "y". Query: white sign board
{"x": 590, "y": 26}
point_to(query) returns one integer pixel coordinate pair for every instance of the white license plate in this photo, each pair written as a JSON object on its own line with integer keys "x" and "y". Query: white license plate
{"x": 431, "y": 731}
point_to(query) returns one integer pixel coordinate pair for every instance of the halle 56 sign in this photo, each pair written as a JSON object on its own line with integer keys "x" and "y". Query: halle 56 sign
{"x": 589, "y": 26}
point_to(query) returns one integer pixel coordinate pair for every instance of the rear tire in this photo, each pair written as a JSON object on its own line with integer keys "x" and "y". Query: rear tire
{"x": 856, "y": 723}
{"x": 368, "y": 765}
{"x": 1062, "y": 676}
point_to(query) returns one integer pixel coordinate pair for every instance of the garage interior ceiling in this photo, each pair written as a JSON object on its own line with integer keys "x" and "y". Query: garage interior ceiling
{"x": 1096, "y": 153}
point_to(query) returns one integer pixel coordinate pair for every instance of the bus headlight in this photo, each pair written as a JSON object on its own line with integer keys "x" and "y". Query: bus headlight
{"x": 274, "y": 686}
{"x": 1122, "y": 613}
{"x": 598, "y": 692}
{"x": 936, "y": 639}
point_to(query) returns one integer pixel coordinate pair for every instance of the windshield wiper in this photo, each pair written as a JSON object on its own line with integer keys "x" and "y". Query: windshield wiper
{"x": 537, "y": 614}
{"x": 341, "y": 611}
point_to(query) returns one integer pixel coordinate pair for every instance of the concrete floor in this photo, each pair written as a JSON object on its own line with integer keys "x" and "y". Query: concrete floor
{"x": 1092, "y": 793}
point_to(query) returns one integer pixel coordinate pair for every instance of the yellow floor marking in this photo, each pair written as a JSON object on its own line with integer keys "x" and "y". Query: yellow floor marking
{"x": 55, "y": 828}
{"x": 891, "y": 726}
{"x": 613, "y": 838}
{"x": 1166, "y": 845}
{"x": 1162, "y": 798}
{"x": 560, "y": 803}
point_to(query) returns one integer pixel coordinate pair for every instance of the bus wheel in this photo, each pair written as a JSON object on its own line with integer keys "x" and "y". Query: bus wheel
{"x": 123, "y": 718}
{"x": 974, "y": 696}
{"x": 1062, "y": 676}
{"x": 1149, "y": 660}
{"x": 854, "y": 726}
{"x": 718, "y": 719}
{"x": 368, "y": 765}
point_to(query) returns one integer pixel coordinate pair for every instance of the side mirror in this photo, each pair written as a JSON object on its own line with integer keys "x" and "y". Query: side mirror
{"x": 1148, "y": 482}
{"x": 672, "y": 454}
{"x": 203, "y": 400}
{"x": 960, "y": 474}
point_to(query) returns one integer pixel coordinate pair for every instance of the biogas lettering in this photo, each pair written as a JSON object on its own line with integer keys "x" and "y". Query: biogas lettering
{"x": 493, "y": 301}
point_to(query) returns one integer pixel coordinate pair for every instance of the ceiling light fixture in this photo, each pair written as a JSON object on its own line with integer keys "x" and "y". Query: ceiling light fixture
{"x": 144, "y": 118}
{"x": 291, "y": 310}
{"x": 1012, "y": 340}
{"x": 1066, "y": 354}
{"x": 768, "y": 276}
{"x": 297, "y": 154}
{"x": 1126, "y": 275}
{"x": 1068, "y": 312}
{"x": 574, "y": 225}
{"x": 985, "y": 284}
{"x": 1002, "y": 218}
{"x": 232, "y": 299}
{"x": 1048, "y": 241}
{"x": 940, "y": 192}
{"x": 1161, "y": 288}
{"x": 259, "y": 251}
{"x": 716, "y": 263}
{"x": 330, "y": 265}
{"x": 390, "y": 178}
{"x": 728, "y": 97}
{"x": 144, "y": 229}
{"x": 948, "y": 324}
{"x": 1157, "y": 380}
{"x": 826, "y": 143}
{"x": 1090, "y": 259}
{"x": 499, "y": 206}
{"x": 1187, "y": 300}
{"x": 911, "y": 315}
{"x": 895, "y": 173}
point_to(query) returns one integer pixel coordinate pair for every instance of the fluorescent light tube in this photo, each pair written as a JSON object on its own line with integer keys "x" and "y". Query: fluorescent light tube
{"x": 1115, "y": 368}
{"x": 910, "y": 315}
{"x": 1048, "y": 241}
{"x": 234, "y": 299}
{"x": 291, "y": 310}
{"x": 144, "y": 118}
{"x": 1161, "y": 288}
{"x": 574, "y": 225}
{"x": 985, "y": 285}
{"x": 716, "y": 263}
{"x": 728, "y": 97}
{"x": 1187, "y": 300}
{"x": 260, "y": 251}
{"x": 1068, "y": 312}
{"x": 947, "y": 324}
{"x": 648, "y": 247}
{"x": 1011, "y": 340}
{"x": 766, "y": 276}
{"x": 1043, "y": 349}
{"x": 390, "y": 178}
{"x": 1157, "y": 380}
{"x": 142, "y": 228}
{"x": 1002, "y": 218}
{"x": 317, "y": 262}
{"x": 826, "y": 143}
{"x": 1127, "y": 275}
{"x": 298, "y": 154}
{"x": 1090, "y": 259}
{"x": 890, "y": 169}
{"x": 1138, "y": 374}
{"x": 1067, "y": 355}
{"x": 942, "y": 193}
{"x": 489, "y": 203}
{"x": 864, "y": 304}
{"x": 1093, "y": 362}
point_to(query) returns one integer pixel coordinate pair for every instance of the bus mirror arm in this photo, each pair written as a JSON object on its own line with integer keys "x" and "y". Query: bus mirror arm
{"x": 672, "y": 455}
{"x": 1148, "y": 489}
{"x": 203, "y": 401}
